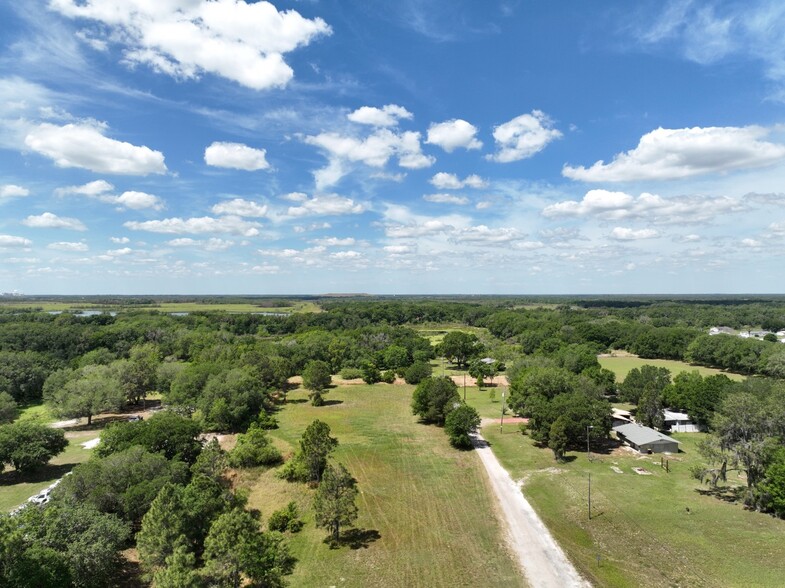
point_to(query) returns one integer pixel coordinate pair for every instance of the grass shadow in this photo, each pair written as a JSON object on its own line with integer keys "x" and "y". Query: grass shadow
{"x": 731, "y": 494}
{"x": 354, "y": 539}
{"x": 46, "y": 473}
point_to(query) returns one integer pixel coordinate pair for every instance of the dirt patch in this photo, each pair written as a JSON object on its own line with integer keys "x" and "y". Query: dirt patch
{"x": 227, "y": 442}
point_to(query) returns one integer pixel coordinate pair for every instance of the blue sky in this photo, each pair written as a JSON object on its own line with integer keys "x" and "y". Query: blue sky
{"x": 412, "y": 147}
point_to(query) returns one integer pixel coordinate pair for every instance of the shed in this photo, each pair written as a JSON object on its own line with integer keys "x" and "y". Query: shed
{"x": 646, "y": 439}
{"x": 678, "y": 422}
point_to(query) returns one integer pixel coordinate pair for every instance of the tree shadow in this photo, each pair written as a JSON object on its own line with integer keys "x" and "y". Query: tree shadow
{"x": 354, "y": 539}
{"x": 730, "y": 494}
{"x": 568, "y": 458}
{"x": 480, "y": 443}
{"x": 296, "y": 400}
{"x": 46, "y": 473}
{"x": 332, "y": 402}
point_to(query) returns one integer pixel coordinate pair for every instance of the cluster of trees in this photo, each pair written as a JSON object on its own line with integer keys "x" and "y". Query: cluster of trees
{"x": 745, "y": 356}
{"x": 26, "y": 445}
{"x": 749, "y": 437}
{"x": 563, "y": 407}
{"x": 151, "y": 483}
{"x": 436, "y": 401}
{"x": 335, "y": 503}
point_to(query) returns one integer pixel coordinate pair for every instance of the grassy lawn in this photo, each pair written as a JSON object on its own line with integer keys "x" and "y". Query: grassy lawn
{"x": 427, "y": 517}
{"x": 36, "y": 412}
{"x": 641, "y": 528}
{"x": 622, "y": 365}
{"x": 15, "y": 489}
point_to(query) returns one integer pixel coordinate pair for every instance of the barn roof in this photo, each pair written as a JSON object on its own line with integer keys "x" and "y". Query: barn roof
{"x": 640, "y": 435}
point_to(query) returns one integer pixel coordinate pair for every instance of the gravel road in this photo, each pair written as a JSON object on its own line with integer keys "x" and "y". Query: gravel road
{"x": 542, "y": 560}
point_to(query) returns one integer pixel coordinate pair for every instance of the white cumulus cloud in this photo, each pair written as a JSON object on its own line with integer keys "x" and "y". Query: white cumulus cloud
{"x": 68, "y": 246}
{"x": 446, "y": 199}
{"x": 197, "y": 225}
{"x": 240, "y": 207}
{"x": 13, "y": 191}
{"x": 386, "y": 116}
{"x": 653, "y": 208}
{"x": 445, "y": 181}
{"x": 666, "y": 154}
{"x": 211, "y": 244}
{"x": 237, "y": 40}
{"x": 523, "y": 137}
{"x": 12, "y": 242}
{"x": 85, "y": 146}
{"x": 235, "y": 156}
{"x": 329, "y": 204}
{"x": 49, "y": 220}
{"x": 103, "y": 191}
{"x": 626, "y": 234}
{"x": 453, "y": 134}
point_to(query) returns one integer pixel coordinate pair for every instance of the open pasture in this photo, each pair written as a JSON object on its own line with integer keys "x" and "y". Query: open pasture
{"x": 621, "y": 365}
{"x": 661, "y": 529}
{"x": 427, "y": 515}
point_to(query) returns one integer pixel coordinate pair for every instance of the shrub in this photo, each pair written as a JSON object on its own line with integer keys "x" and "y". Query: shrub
{"x": 351, "y": 373}
{"x": 459, "y": 423}
{"x": 417, "y": 372}
{"x": 388, "y": 377}
{"x": 286, "y": 519}
{"x": 254, "y": 449}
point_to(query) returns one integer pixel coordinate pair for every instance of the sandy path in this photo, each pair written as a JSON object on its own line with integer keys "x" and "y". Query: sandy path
{"x": 542, "y": 560}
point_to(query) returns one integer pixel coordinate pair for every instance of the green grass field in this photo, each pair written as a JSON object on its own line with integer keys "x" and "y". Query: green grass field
{"x": 15, "y": 489}
{"x": 622, "y": 365}
{"x": 641, "y": 529}
{"x": 429, "y": 504}
{"x": 55, "y": 306}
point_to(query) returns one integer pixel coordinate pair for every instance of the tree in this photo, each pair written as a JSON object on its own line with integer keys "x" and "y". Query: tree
{"x": 460, "y": 347}
{"x": 417, "y": 372}
{"x": 8, "y": 409}
{"x": 138, "y": 375}
{"x": 164, "y": 432}
{"x": 236, "y": 548}
{"x": 231, "y": 399}
{"x": 396, "y": 358}
{"x": 124, "y": 483}
{"x": 479, "y": 370}
{"x": 27, "y": 446}
{"x": 459, "y": 423}
{"x": 315, "y": 446}
{"x": 162, "y": 527}
{"x": 638, "y": 378}
{"x": 254, "y": 449}
{"x": 650, "y": 406}
{"x": 370, "y": 373}
{"x": 558, "y": 438}
{"x": 91, "y": 390}
{"x": 434, "y": 398}
{"x": 316, "y": 378}
{"x": 335, "y": 502}
{"x": 179, "y": 570}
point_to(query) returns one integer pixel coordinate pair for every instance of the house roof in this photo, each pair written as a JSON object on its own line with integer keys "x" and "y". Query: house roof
{"x": 640, "y": 435}
{"x": 672, "y": 415}
{"x": 488, "y": 360}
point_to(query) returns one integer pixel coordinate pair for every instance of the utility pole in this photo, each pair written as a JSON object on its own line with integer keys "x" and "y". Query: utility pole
{"x": 464, "y": 387}
{"x": 588, "y": 448}
{"x": 501, "y": 426}
{"x": 589, "y": 496}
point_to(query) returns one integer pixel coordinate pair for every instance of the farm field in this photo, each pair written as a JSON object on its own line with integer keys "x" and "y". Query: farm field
{"x": 427, "y": 517}
{"x": 662, "y": 529}
{"x": 622, "y": 365}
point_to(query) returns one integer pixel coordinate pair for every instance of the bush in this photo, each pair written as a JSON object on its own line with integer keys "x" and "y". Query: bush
{"x": 388, "y": 377}
{"x": 417, "y": 372}
{"x": 286, "y": 519}
{"x": 294, "y": 470}
{"x": 371, "y": 373}
{"x": 350, "y": 373}
{"x": 266, "y": 421}
{"x": 254, "y": 449}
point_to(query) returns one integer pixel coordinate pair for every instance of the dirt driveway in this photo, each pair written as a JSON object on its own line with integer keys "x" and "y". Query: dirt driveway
{"x": 542, "y": 560}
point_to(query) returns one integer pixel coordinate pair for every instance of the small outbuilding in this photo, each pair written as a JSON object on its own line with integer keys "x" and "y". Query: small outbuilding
{"x": 646, "y": 439}
{"x": 678, "y": 422}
